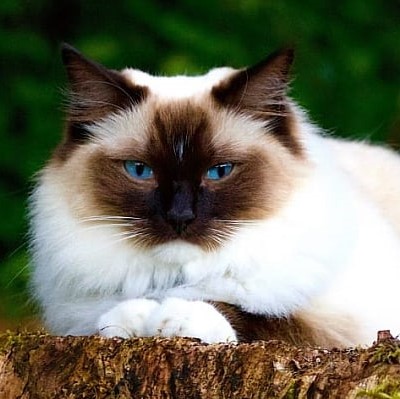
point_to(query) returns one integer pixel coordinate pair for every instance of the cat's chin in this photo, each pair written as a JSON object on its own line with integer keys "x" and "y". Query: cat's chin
{"x": 176, "y": 252}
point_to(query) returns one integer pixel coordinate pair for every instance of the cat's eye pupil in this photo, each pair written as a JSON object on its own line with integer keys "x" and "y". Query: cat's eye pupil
{"x": 138, "y": 170}
{"x": 219, "y": 171}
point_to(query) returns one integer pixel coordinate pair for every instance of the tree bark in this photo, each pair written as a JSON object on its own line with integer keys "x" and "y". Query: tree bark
{"x": 41, "y": 366}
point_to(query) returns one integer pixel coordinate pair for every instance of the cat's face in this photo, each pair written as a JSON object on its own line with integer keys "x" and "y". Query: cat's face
{"x": 167, "y": 164}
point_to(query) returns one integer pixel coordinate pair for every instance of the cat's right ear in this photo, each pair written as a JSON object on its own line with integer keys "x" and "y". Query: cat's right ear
{"x": 94, "y": 90}
{"x": 260, "y": 91}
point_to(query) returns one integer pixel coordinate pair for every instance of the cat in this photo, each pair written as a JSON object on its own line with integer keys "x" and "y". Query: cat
{"x": 211, "y": 207}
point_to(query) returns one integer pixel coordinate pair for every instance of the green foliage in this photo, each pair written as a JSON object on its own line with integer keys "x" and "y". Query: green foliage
{"x": 387, "y": 352}
{"x": 385, "y": 390}
{"x": 347, "y": 70}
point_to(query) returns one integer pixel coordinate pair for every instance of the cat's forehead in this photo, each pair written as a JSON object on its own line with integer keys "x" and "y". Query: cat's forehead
{"x": 179, "y": 115}
{"x": 178, "y": 87}
{"x": 177, "y": 125}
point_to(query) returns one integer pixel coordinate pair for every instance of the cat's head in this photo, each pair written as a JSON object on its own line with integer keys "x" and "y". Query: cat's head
{"x": 177, "y": 159}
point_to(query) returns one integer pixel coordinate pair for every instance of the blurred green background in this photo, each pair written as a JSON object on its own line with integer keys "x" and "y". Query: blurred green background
{"x": 346, "y": 73}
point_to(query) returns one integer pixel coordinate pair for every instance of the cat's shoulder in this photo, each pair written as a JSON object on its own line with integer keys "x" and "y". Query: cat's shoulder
{"x": 365, "y": 155}
{"x": 375, "y": 170}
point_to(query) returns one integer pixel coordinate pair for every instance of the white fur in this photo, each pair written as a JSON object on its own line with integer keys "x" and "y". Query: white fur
{"x": 179, "y": 317}
{"x": 172, "y": 317}
{"x": 178, "y": 87}
{"x": 329, "y": 248}
{"x": 127, "y": 319}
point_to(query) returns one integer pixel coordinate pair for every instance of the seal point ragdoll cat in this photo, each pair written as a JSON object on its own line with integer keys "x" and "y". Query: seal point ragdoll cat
{"x": 210, "y": 207}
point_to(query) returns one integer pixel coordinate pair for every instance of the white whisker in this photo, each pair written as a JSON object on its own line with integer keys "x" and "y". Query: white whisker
{"x": 129, "y": 237}
{"x": 107, "y": 217}
{"x": 237, "y": 221}
{"x": 124, "y": 233}
{"x": 100, "y": 226}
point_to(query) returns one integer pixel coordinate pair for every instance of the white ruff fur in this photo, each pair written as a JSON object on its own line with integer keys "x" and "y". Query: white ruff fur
{"x": 328, "y": 248}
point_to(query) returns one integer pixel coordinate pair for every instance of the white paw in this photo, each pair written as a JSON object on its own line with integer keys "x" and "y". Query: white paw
{"x": 127, "y": 319}
{"x": 179, "y": 317}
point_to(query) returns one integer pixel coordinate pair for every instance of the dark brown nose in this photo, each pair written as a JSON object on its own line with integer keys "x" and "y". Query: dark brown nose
{"x": 181, "y": 211}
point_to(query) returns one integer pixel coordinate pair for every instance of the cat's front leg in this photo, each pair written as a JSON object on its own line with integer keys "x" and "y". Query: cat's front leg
{"x": 197, "y": 319}
{"x": 172, "y": 317}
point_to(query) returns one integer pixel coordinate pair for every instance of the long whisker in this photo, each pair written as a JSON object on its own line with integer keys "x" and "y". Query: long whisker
{"x": 238, "y": 222}
{"x": 97, "y": 222}
{"x": 107, "y": 217}
{"x": 103, "y": 225}
{"x": 128, "y": 237}
{"x": 124, "y": 233}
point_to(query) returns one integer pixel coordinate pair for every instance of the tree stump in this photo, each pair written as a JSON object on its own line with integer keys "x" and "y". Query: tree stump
{"x": 34, "y": 366}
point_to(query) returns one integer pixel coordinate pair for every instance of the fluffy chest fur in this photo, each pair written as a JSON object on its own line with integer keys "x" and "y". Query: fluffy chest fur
{"x": 215, "y": 189}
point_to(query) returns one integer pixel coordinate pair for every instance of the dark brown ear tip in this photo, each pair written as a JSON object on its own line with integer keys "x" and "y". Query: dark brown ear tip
{"x": 287, "y": 53}
{"x": 282, "y": 58}
{"x": 68, "y": 52}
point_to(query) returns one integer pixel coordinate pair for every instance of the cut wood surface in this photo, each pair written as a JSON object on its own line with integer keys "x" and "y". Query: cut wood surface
{"x": 37, "y": 365}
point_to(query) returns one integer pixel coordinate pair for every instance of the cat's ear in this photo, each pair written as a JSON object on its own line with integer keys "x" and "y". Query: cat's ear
{"x": 95, "y": 91}
{"x": 260, "y": 88}
{"x": 260, "y": 91}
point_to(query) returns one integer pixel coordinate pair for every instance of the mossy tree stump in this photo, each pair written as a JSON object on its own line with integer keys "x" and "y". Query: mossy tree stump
{"x": 43, "y": 366}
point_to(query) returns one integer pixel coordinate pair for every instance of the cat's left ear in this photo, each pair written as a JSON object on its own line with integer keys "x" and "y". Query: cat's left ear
{"x": 261, "y": 87}
{"x": 96, "y": 91}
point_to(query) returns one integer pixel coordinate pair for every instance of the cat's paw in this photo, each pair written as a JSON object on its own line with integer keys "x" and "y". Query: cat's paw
{"x": 197, "y": 319}
{"x": 127, "y": 319}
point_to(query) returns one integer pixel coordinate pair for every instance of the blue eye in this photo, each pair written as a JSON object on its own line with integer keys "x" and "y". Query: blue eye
{"x": 219, "y": 171}
{"x": 138, "y": 170}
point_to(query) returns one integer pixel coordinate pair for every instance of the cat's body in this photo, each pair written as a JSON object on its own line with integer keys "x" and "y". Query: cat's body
{"x": 246, "y": 206}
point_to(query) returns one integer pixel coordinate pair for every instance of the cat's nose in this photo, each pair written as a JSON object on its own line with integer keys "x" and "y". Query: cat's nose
{"x": 185, "y": 216}
{"x": 180, "y": 218}
{"x": 181, "y": 211}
